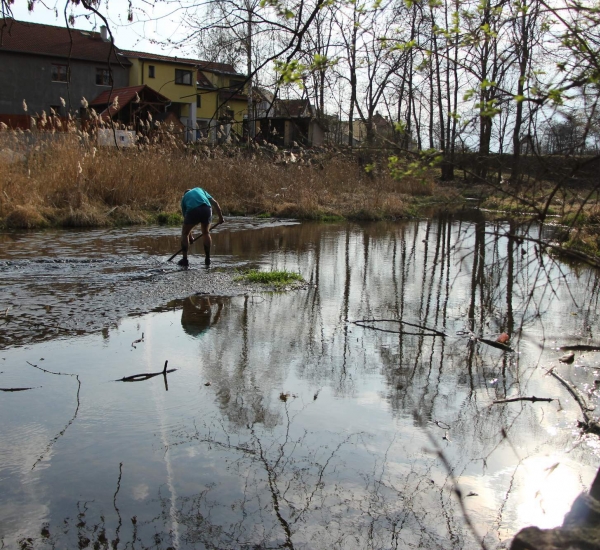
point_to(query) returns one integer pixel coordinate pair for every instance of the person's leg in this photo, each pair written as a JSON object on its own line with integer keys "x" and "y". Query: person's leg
{"x": 207, "y": 241}
{"x": 185, "y": 241}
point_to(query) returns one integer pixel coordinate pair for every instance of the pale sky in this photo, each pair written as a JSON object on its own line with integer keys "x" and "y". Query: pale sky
{"x": 157, "y": 29}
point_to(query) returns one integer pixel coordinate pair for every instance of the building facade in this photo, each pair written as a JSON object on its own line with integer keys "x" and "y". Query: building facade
{"x": 46, "y": 66}
{"x": 207, "y": 97}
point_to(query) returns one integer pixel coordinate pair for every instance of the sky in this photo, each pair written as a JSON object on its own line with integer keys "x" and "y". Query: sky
{"x": 157, "y": 26}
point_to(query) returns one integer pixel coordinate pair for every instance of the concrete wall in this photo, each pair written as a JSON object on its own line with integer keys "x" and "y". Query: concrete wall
{"x": 29, "y": 77}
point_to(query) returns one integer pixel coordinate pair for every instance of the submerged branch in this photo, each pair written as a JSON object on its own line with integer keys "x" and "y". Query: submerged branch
{"x": 145, "y": 375}
{"x": 533, "y": 399}
{"x": 589, "y": 424}
{"x": 361, "y": 323}
{"x": 580, "y": 347}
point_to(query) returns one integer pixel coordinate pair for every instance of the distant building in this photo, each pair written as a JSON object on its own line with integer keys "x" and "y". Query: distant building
{"x": 285, "y": 121}
{"x": 40, "y": 64}
{"x": 207, "y": 97}
{"x": 140, "y": 109}
{"x": 54, "y": 68}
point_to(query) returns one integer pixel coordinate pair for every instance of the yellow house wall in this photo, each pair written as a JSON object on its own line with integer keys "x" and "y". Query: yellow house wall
{"x": 135, "y": 75}
{"x": 164, "y": 81}
{"x": 208, "y": 107}
{"x": 240, "y": 107}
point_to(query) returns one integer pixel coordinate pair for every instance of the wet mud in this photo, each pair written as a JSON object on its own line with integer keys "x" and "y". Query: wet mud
{"x": 61, "y": 283}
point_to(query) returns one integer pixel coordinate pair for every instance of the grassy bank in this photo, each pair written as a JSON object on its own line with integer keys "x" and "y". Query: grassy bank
{"x": 60, "y": 182}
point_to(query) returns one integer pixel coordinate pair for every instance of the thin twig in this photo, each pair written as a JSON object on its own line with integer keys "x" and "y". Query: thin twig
{"x": 61, "y": 433}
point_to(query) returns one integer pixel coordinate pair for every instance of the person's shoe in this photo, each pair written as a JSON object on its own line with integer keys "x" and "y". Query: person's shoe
{"x": 183, "y": 262}
{"x": 207, "y": 261}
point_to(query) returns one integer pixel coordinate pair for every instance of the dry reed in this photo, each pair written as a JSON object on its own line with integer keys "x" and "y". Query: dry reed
{"x": 61, "y": 179}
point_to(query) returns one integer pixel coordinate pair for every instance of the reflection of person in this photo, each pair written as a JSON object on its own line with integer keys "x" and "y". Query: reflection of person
{"x": 197, "y": 315}
{"x": 196, "y": 205}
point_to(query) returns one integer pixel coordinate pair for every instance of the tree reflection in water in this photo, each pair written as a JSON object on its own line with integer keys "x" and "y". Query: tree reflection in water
{"x": 324, "y": 470}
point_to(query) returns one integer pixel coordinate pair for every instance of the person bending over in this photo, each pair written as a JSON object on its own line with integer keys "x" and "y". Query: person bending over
{"x": 196, "y": 205}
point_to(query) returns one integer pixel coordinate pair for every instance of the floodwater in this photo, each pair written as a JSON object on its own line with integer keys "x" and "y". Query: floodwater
{"x": 285, "y": 422}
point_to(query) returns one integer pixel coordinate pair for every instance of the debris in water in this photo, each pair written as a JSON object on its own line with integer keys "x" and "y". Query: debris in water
{"x": 137, "y": 341}
{"x": 145, "y": 375}
{"x": 503, "y": 338}
{"x": 287, "y": 395}
{"x": 567, "y": 358}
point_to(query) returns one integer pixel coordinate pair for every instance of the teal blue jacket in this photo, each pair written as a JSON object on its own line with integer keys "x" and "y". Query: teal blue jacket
{"x": 194, "y": 198}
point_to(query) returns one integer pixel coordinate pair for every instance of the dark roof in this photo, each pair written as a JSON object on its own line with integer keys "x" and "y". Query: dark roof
{"x": 232, "y": 94}
{"x": 34, "y": 38}
{"x": 293, "y": 108}
{"x": 126, "y": 95}
{"x": 199, "y": 63}
{"x": 203, "y": 82}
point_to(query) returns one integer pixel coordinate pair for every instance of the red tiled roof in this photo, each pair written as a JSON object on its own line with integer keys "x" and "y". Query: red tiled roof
{"x": 199, "y": 63}
{"x": 125, "y": 96}
{"x": 34, "y": 38}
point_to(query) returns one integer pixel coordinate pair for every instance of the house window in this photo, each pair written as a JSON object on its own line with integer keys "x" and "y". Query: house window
{"x": 60, "y": 73}
{"x": 103, "y": 77}
{"x": 183, "y": 77}
{"x": 237, "y": 84}
{"x": 198, "y": 101}
{"x": 150, "y": 71}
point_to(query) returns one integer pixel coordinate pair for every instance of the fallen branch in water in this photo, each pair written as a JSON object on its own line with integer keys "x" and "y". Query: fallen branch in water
{"x": 494, "y": 344}
{"x": 15, "y": 389}
{"x": 579, "y": 347}
{"x": 589, "y": 424}
{"x": 361, "y": 323}
{"x": 146, "y": 375}
{"x": 474, "y": 338}
{"x": 533, "y": 399}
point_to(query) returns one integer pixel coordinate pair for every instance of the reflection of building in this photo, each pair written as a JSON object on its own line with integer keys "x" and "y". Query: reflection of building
{"x": 197, "y": 314}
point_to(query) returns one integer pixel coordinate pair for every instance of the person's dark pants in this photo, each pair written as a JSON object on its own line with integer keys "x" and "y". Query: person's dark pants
{"x": 200, "y": 214}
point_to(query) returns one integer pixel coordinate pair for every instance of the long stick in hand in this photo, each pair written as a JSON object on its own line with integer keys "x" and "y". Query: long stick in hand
{"x": 210, "y": 227}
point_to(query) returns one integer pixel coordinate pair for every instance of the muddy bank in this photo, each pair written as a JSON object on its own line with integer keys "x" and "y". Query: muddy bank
{"x": 59, "y": 284}
{"x": 55, "y": 314}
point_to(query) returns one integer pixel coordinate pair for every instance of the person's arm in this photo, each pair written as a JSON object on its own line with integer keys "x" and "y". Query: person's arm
{"x": 183, "y": 206}
{"x": 218, "y": 209}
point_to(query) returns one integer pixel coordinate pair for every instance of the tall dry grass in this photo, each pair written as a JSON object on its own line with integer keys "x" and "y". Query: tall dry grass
{"x": 60, "y": 179}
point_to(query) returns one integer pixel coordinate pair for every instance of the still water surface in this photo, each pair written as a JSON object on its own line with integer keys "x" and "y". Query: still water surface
{"x": 285, "y": 423}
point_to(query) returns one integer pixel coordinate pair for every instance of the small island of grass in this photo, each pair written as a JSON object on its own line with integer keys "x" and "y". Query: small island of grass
{"x": 275, "y": 278}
